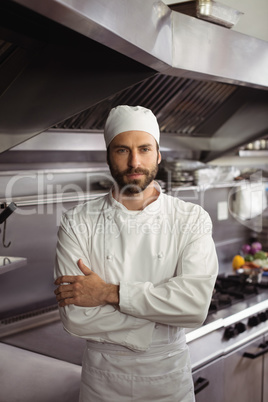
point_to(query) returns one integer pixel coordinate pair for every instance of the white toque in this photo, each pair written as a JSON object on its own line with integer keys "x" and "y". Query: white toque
{"x": 130, "y": 118}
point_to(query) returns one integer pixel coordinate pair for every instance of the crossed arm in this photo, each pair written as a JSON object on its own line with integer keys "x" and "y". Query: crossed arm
{"x": 90, "y": 307}
{"x": 85, "y": 291}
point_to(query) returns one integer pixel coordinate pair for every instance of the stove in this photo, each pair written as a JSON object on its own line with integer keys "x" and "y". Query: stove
{"x": 231, "y": 347}
{"x": 232, "y": 289}
{"x": 238, "y": 313}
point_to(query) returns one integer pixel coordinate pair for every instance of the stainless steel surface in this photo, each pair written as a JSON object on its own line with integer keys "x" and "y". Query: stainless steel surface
{"x": 168, "y": 42}
{"x": 211, "y": 376}
{"x": 157, "y": 57}
{"x": 49, "y": 73}
{"x": 43, "y": 193}
{"x": 248, "y": 374}
{"x": 9, "y": 263}
{"x": 181, "y": 105}
{"x": 208, "y": 117}
{"x": 218, "y": 13}
{"x": 65, "y": 140}
{"x": 31, "y": 377}
{"x": 208, "y": 342}
{"x": 255, "y": 153}
{"x": 57, "y": 199}
{"x": 231, "y": 342}
{"x": 233, "y": 377}
{"x": 47, "y": 337}
{"x": 48, "y": 185}
{"x": 18, "y": 323}
{"x": 208, "y": 53}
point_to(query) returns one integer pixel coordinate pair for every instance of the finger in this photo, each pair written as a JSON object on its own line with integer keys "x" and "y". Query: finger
{"x": 65, "y": 279}
{"x": 63, "y": 288}
{"x": 66, "y": 302}
{"x": 63, "y": 296}
{"x": 83, "y": 267}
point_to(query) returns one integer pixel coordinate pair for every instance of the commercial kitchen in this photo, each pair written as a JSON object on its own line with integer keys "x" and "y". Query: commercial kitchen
{"x": 63, "y": 66}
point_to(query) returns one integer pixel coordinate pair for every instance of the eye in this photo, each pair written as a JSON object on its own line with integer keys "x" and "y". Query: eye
{"x": 145, "y": 149}
{"x": 121, "y": 150}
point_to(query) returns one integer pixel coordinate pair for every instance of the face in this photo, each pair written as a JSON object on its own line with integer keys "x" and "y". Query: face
{"x": 133, "y": 158}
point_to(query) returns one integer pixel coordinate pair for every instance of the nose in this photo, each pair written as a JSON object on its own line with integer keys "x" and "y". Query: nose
{"x": 133, "y": 160}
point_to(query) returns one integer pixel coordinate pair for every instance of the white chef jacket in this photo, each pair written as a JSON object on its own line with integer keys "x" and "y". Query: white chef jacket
{"x": 162, "y": 257}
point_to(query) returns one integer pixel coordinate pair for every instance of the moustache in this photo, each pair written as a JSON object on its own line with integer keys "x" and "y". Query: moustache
{"x": 137, "y": 171}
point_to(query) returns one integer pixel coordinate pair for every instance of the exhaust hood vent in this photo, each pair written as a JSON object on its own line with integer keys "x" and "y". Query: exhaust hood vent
{"x": 181, "y": 105}
{"x": 210, "y": 118}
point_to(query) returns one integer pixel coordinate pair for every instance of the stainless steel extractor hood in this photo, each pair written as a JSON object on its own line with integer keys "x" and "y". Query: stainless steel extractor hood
{"x": 166, "y": 41}
{"x": 63, "y": 59}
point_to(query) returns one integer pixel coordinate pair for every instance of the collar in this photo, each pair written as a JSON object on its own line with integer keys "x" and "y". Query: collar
{"x": 152, "y": 207}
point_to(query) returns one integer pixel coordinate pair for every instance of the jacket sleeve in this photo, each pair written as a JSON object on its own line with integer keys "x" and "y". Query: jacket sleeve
{"x": 103, "y": 323}
{"x": 183, "y": 300}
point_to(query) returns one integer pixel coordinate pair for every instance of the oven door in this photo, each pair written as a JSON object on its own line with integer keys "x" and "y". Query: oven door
{"x": 243, "y": 372}
{"x": 208, "y": 382}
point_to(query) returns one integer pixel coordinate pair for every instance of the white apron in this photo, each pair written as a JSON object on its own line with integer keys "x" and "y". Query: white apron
{"x": 115, "y": 373}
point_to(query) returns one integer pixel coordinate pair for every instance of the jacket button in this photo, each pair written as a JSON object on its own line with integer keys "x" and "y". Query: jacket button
{"x": 160, "y": 255}
{"x": 109, "y": 217}
{"x": 109, "y": 257}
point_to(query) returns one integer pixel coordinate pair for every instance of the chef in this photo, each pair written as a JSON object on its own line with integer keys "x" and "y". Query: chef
{"x": 134, "y": 268}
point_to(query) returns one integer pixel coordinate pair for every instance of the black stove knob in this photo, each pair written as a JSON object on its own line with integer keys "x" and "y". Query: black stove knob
{"x": 262, "y": 317}
{"x": 229, "y": 333}
{"x": 240, "y": 327}
{"x": 253, "y": 321}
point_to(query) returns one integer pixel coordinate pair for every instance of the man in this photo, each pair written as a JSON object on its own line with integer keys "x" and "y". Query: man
{"x": 134, "y": 267}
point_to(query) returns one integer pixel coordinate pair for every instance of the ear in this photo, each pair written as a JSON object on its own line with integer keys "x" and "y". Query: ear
{"x": 159, "y": 157}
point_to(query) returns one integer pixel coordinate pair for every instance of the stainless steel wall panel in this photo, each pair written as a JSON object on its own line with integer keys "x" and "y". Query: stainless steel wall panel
{"x": 32, "y": 230}
{"x": 31, "y": 377}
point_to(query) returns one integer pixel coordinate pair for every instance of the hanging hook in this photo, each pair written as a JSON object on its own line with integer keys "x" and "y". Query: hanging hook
{"x": 8, "y": 210}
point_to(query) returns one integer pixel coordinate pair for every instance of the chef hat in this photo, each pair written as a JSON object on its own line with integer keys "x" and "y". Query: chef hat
{"x": 130, "y": 118}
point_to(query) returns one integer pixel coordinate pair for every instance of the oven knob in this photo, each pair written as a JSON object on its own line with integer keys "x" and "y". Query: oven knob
{"x": 262, "y": 317}
{"x": 240, "y": 327}
{"x": 253, "y": 321}
{"x": 229, "y": 333}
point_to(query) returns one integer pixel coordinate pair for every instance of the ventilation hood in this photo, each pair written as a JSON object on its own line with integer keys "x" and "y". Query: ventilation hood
{"x": 65, "y": 63}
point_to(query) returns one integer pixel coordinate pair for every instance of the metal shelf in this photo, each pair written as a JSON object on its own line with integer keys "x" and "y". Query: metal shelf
{"x": 253, "y": 153}
{"x": 9, "y": 263}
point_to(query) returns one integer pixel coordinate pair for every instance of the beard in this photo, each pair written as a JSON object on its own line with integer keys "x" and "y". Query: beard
{"x": 134, "y": 186}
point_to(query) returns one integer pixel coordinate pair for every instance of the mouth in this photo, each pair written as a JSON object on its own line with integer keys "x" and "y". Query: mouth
{"x": 134, "y": 175}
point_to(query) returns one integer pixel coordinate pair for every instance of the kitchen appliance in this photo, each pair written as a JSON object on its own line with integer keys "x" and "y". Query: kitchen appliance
{"x": 229, "y": 352}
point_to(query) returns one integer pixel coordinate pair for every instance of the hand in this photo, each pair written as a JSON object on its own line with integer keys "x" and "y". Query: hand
{"x": 85, "y": 291}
